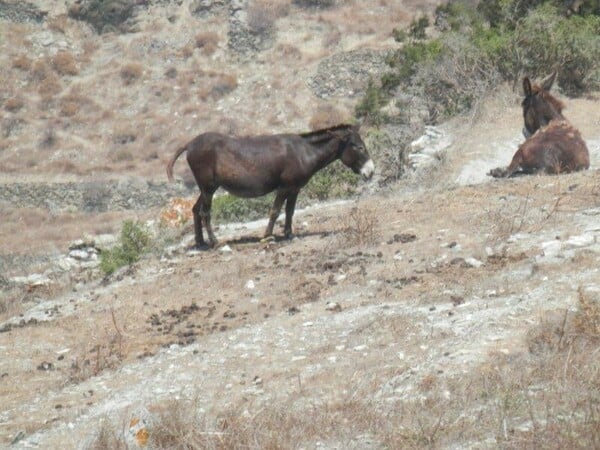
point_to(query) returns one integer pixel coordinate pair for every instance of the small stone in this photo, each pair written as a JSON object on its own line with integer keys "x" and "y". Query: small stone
{"x": 250, "y": 284}
{"x": 333, "y": 307}
{"x": 473, "y": 262}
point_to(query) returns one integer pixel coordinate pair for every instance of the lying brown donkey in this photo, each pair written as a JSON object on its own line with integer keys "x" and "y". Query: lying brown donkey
{"x": 552, "y": 144}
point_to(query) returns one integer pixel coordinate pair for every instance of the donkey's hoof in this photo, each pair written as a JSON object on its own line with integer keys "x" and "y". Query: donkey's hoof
{"x": 198, "y": 247}
{"x": 498, "y": 172}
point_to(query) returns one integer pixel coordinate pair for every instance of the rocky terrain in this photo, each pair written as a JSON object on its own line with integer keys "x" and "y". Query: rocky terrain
{"x": 443, "y": 310}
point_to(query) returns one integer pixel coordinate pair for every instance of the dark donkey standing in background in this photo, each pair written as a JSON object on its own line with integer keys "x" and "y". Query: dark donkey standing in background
{"x": 552, "y": 144}
{"x": 254, "y": 166}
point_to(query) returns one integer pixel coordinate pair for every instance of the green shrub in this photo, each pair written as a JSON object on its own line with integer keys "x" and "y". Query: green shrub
{"x": 479, "y": 47}
{"x": 133, "y": 242}
{"x": 228, "y": 208}
{"x": 334, "y": 181}
{"x": 417, "y": 28}
{"x": 104, "y": 15}
{"x": 370, "y": 105}
{"x": 549, "y": 40}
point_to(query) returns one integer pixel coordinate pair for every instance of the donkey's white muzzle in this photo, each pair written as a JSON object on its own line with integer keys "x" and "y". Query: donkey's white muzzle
{"x": 367, "y": 169}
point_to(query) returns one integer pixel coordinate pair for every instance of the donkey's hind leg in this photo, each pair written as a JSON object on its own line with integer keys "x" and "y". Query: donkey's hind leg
{"x": 200, "y": 244}
{"x": 206, "y": 205}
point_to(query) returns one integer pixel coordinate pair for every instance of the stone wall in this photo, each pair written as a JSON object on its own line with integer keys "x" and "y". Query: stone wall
{"x": 93, "y": 197}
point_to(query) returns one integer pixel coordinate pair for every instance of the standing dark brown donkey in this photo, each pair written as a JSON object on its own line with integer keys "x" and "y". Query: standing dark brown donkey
{"x": 552, "y": 144}
{"x": 254, "y": 166}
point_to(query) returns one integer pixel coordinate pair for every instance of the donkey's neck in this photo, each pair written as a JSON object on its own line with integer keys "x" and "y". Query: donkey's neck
{"x": 325, "y": 149}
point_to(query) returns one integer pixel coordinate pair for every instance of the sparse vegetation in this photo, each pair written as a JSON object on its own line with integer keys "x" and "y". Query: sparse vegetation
{"x": 104, "y": 15}
{"x": 207, "y": 42}
{"x": 64, "y": 64}
{"x": 13, "y": 104}
{"x": 361, "y": 228}
{"x": 130, "y": 72}
{"x": 133, "y": 242}
{"x": 22, "y": 62}
{"x": 479, "y": 47}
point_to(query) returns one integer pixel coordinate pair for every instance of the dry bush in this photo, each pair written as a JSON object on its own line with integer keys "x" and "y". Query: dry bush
{"x": 262, "y": 15}
{"x": 58, "y": 23}
{"x": 124, "y": 134}
{"x": 89, "y": 47}
{"x": 49, "y": 87}
{"x": 40, "y": 70}
{"x": 187, "y": 51}
{"x": 207, "y": 41}
{"x": 68, "y": 107}
{"x": 106, "y": 438}
{"x": 290, "y": 52}
{"x": 63, "y": 166}
{"x": 218, "y": 86}
{"x": 64, "y": 63}
{"x": 49, "y": 138}
{"x": 130, "y": 72}
{"x": 314, "y": 3}
{"x": 22, "y": 62}
{"x": 121, "y": 155}
{"x": 47, "y": 82}
{"x": 587, "y": 319}
{"x": 326, "y": 116}
{"x": 361, "y": 227}
{"x": 107, "y": 354}
{"x": 14, "y": 104}
{"x": 332, "y": 39}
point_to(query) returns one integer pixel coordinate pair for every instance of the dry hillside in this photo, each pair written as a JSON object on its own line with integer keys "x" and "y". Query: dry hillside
{"x": 445, "y": 310}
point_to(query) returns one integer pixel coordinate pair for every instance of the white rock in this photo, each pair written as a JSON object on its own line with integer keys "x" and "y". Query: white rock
{"x": 552, "y": 249}
{"x": 250, "y": 284}
{"x": 333, "y": 306}
{"x": 583, "y": 240}
{"x": 80, "y": 255}
{"x": 473, "y": 262}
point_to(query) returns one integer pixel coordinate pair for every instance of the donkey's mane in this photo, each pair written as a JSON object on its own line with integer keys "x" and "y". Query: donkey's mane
{"x": 323, "y": 131}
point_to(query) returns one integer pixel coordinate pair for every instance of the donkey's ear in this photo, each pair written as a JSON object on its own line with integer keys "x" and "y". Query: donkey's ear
{"x": 548, "y": 82}
{"x": 527, "y": 87}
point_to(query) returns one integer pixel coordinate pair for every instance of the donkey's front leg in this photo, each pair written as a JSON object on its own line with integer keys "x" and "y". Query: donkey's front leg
{"x": 275, "y": 210}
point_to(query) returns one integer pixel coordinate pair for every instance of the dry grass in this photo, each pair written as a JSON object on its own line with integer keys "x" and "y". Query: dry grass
{"x": 545, "y": 398}
{"x": 106, "y": 353}
{"x": 207, "y": 41}
{"x": 360, "y": 228}
{"x": 14, "y": 104}
{"x": 64, "y": 63}
{"x": 131, "y": 72}
{"x": 262, "y": 14}
{"x": 22, "y": 62}
{"x": 327, "y": 115}
{"x": 58, "y": 23}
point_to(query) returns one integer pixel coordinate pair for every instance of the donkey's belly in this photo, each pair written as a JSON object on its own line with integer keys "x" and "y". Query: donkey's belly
{"x": 248, "y": 189}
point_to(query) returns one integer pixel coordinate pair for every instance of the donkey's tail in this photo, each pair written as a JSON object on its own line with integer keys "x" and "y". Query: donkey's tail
{"x": 171, "y": 163}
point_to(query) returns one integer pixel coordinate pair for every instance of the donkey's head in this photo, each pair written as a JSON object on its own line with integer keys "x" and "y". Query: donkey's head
{"x": 354, "y": 152}
{"x": 539, "y": 106}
